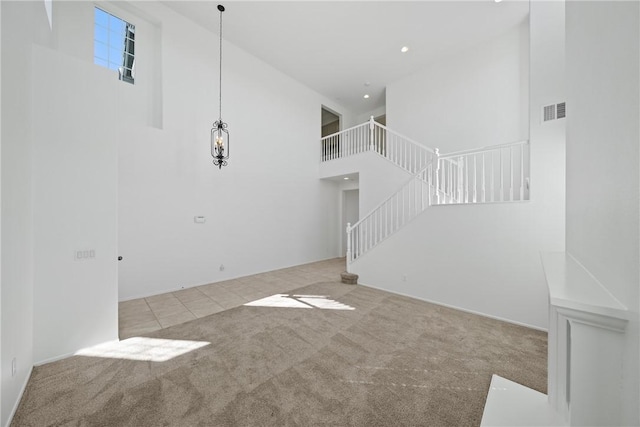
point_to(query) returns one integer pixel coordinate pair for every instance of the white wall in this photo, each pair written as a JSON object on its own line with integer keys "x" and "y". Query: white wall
{"x": 469, "y": 99}
{"x": 350, "y": 214}
{"x": 74, "y": 26}
{"x": 1, "y": 354}
{"x": 266, "y": 210}
{"x": 22, "y": 23}
{"x": 376, "y": 112}
{"x": 379, "y": 178}
{"x": 68, "y": 125}
{"x": 602, "y": 160}
{"x": 547, "y": 140}
{"x": 483, "y": 258}
{"x": 74, "y": 182}
{"x": 60, "y": 186}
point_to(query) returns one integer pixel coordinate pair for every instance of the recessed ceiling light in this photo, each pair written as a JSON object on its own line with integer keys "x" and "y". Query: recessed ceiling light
{"x": 366, "y": 96}
{"x": 346, "y": 177}
{"x": 404, "y": 49}
{"x": 497, "y": 1}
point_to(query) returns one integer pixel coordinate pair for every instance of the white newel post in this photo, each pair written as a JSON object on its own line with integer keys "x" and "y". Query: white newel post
{"x": 587, "y": 328}
{"x": 348, "y": 246}
{"x": 371, "y": 133}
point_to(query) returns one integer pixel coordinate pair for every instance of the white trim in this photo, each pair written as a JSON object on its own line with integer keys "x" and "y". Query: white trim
{"x": 502, "y": 319}
{"x": 483, "y": 149}
{"x": 19, "y": 399}
{"x": 495, "y": 202}
{"x": 226, "y": 279}
{"x": 52, "y": 359}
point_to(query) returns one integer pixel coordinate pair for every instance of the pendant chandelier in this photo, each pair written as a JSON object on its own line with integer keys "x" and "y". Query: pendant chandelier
{"x": 219, "y": 132}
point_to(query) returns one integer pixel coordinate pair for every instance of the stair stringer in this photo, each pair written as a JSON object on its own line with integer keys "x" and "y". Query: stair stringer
{"x": 378, "y": 177}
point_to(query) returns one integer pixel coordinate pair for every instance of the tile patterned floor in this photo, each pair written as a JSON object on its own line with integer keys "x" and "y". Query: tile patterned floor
{"x": 149, "y": 314}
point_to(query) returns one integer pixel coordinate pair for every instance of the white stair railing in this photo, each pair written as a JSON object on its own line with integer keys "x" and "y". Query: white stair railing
{"x": 499, "y": 173}
{"x": 372, "y": 136}
{"x": 391, "y": 215}
{"x": 404, "y": 152}
{"x": 345, "y": 143}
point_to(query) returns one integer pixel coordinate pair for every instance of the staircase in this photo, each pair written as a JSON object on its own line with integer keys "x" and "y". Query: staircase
{"x": 372, "y": 136}
{"x": 498, "y": 173}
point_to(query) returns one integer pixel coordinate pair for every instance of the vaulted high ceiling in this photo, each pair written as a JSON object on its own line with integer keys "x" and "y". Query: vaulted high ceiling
{"x": 335, "y": 47}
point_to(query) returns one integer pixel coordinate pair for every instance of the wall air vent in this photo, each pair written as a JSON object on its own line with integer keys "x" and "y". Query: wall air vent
{"x": 549, "y": 112}
{"x": 554, "y": 112}
{"x": 561, "y": 110}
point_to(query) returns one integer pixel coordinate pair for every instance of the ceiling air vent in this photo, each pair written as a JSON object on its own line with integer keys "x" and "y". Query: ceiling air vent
{"x": 554, "y": 112}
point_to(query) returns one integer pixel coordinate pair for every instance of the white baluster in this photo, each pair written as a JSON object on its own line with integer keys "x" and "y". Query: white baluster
{"x": 397, "y": 201}
{"x": 421, "y": 193}
{"x": 402, "y": 206}
{"x": 437, "y": 176}
{"x": 371, "y": 133}
{"x": 389, "y": 211}
{"x": 349, "y": 259}
{"x": 405, "y": 155}
{"x": 452, "y": 178}
{"x": 375, "y": 228}
{"x": 366, "y": 236}
{"x": 501, "y": 177}
{"x": 326, "y": 149}
{"x": 335, "y": 147}
{"x": 411, "y": 159}
{"x": 511, "y": 172}
{"x": 475, "y": 187}
{"x": 429, "y": 172}
{"x": 331, "y": 142}
{"x": 522, "y": 172}
{"x": 466, "y": 182}
{"x": 493, "y": 190}
{"x": 483, "y": 193}
{"x": 459, "y": 177}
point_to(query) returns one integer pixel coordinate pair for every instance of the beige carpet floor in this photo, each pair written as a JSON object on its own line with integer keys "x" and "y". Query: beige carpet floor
{"x": 359, "y": 357}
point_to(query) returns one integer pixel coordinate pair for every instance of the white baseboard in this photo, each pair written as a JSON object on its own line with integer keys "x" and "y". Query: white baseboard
{"x": 19, "y": 399}
{"x": 466, "y": 310}
{"x": 195, "y": 285}
{"x": 52, "y": 359}
{"x": 64, "y": 356}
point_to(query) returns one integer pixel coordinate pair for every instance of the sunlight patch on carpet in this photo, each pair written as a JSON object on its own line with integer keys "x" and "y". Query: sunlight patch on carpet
{"x": 300, "y": 301}
{"x": 142, "y": 348}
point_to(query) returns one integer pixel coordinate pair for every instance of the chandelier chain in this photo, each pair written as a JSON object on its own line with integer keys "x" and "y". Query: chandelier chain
{"x": 220, "y": 75}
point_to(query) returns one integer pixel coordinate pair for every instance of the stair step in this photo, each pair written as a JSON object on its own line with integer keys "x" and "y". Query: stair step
{"x": 349, "y": 278}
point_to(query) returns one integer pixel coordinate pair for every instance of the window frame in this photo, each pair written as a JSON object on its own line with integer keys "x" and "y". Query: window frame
{"x": 114, "y": 44}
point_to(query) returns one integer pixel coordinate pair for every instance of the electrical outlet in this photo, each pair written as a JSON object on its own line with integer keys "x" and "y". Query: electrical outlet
{"x": 221, "y": 267}
{"x": 14, "y": 367}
